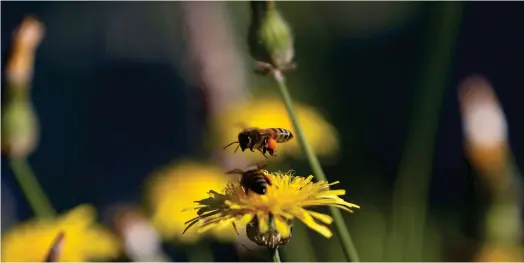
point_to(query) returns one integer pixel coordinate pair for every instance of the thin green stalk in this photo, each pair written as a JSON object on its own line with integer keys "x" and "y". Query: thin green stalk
{"x": 31, "y": 188}
{"x": 411, "y": 189}
{"x": 347, "y": 243}
{"x": 275, "y": 256}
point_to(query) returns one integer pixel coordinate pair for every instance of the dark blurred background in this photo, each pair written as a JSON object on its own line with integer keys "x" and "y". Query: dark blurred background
{"x": 114, "y": 100}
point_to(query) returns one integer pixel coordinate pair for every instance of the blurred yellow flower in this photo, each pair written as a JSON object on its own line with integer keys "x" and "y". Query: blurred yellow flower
{"x": 286, "y": 198}
{"x": 177, "y": 186}
{"x": 84, "y": 240}
{"x": 500, "y": 253}
{"x": 271, "y": 113}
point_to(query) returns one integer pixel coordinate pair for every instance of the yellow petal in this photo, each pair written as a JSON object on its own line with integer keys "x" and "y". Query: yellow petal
{"x": 209, "y": 225}
{"x": 332, "y": 193}
{"x": 282, "y": 227}
{"x": 321, "y": 217}
{"x": 246, "y": 218}
{"x": 334, "y": 183}
{"x": 309, "y": 221}
{"x": 263, "y": 222}
{"x": 82, "y": 216}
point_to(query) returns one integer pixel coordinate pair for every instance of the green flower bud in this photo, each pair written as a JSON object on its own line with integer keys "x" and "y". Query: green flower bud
{"x": 270, "y": 38}
{"x": 19, "y": 124}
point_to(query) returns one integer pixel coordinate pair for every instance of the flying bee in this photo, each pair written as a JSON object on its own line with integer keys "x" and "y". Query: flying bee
{"x": 256, "y": 179}
{"x": 264, "y": 140}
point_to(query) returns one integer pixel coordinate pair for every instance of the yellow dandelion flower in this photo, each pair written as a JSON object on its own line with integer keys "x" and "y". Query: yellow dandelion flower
{"x": 269, "y": 217}
{"x": 271, "y": 113}
{"x": 84, "y": 240}
{"x": 500, "y": 253}
{"x": 175, "y": 187}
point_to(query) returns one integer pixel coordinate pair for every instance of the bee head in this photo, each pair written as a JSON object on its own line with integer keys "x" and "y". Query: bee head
{"x": 259, "y": 189}
{"x": 244, "y": 140}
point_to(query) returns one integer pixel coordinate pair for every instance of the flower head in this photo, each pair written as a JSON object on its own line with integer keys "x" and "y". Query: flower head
{"x": 174, "y": 188}
{"x": 83, "y": 241}
{"x": 271, "y": 113}
{"x": 269, "y": 217}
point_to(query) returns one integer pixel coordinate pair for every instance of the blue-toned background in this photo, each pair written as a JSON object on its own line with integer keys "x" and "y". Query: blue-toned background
{"x": 114, "y": 100}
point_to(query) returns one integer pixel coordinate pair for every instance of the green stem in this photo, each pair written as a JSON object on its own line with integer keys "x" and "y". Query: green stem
{"x": 275, "y": 256}
{"x": 31, "y": 188}
{"x": 347, "y": 243}
{"x": 411, "y": 187}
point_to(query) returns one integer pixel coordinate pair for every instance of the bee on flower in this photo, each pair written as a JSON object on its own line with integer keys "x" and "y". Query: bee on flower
{"x": 269, "y": 217}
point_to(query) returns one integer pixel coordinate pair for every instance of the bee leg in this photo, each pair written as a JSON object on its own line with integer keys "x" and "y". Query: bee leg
{"x": 263, "y": 68}
{"x": 246, "y": 191}
{"x": 263, "y": 153}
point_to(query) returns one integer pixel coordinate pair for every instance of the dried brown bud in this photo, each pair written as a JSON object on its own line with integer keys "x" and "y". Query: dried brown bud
{"x": 270, "y": 239}
{"x": 26, "y": 39}
{"x": 485, "y": 128}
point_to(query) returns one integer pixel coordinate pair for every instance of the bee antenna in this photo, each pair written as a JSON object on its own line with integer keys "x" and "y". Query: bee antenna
{"x": 230, "y": 145}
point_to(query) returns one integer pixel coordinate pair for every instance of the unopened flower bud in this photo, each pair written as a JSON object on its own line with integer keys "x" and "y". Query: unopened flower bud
{"x": 270, "y": 38}
{"x": 19, "y": 121}
{"x": 19, "y": 127}
{"x": 272, "y": 238}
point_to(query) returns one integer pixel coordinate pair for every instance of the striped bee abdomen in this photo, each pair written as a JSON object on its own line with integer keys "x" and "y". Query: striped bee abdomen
{"x": 282, "y": 135}
{"x": 255, "y": 181}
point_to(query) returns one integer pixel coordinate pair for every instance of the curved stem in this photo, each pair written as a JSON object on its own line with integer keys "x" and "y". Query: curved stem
{"x": 31, "y": 188}
{"x": 275, "y": 256}
{"x": 347, "y": 243}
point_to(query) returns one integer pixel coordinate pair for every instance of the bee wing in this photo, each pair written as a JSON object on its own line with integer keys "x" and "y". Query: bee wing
{"x": 241, "y": 124}
{"x": 235, "y": 171}
{"x": 261, "y": 165}
{"x": 265, "y": 134}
